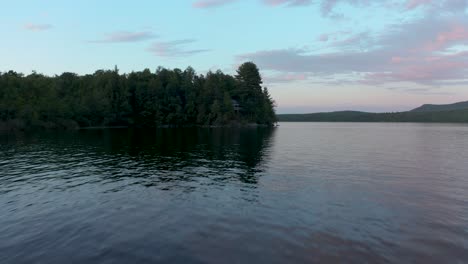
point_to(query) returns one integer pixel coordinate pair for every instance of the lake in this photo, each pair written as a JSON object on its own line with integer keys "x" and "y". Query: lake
{"x": 298, "y": 193}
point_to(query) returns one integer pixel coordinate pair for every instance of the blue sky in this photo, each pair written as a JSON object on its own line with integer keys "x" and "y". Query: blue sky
{"x": 314, "y": 55}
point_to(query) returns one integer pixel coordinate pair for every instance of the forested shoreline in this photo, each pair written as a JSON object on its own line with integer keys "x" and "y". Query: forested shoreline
{"x": 448, "y": 116}
{"x": 142, "y": 99}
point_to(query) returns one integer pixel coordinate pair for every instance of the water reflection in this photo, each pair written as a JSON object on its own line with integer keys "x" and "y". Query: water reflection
{"x": 303, "y": 193}
{"x": 164, "y": 158}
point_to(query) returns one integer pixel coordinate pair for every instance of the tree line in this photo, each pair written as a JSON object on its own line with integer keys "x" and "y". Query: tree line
{"x": 449, "y": 116}
{"x": 144, "y": 99}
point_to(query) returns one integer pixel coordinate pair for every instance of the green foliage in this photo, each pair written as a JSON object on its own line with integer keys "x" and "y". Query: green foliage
{"x": 107, "y": 98}
{"x": 257, "y": 105}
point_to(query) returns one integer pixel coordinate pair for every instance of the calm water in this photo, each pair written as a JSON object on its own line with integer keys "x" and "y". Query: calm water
{"x": 300, "y": 193}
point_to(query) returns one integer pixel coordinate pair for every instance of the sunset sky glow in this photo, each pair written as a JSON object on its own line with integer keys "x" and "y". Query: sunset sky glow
{"x": 314, "y": 55}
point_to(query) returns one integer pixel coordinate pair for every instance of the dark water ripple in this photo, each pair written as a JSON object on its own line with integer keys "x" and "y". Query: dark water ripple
{"x": 300, "y": 193}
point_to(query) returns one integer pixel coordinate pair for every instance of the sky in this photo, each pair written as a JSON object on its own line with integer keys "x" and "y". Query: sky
{"x": 314, "y": 55}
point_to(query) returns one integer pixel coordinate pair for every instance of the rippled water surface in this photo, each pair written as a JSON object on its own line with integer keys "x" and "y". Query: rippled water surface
{"x": 299, "y": 193}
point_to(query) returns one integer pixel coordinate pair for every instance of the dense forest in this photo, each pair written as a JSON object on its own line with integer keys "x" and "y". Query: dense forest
{"x": 143, "y": 99}
{"x": 449, "y": 116}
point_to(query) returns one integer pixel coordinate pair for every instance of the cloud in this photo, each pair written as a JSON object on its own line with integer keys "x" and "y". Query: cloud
{"x": 412, "y": 4}
{"x": 324, "y": 37}
{"x": 287, "y": 2}
{"x": 211, "y": 3}
{"x": 438, "y": 5}
{"x": 456, "y": 33}
{"x": 419, "y": 91}
{"x": 327, "y": 6}
{"x": 37, "y": 27}
{"x": 336, "y": 36}
{"x": 126, "y": 36}
{"x": 219, "y": 3}
{"x": 300, "y": 61}
{"x": 420, "y": 51}
{"x": 285, "y": 77}
{"x": 174, "y": 48}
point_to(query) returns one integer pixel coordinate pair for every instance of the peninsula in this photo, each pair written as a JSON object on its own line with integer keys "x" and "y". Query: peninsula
{"x": 142, "y": 99}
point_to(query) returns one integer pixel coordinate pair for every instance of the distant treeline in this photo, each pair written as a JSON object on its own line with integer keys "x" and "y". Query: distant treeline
{"x": 450, "y": 116}
{"x": 145, "y": 98}
{"x": 439, "y": 108}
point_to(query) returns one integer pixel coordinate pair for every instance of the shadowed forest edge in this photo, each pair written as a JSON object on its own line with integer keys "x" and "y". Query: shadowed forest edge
{"x": 142, "y": 99}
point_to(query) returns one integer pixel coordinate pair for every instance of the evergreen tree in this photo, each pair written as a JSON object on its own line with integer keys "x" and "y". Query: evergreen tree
{"x": 251, "y": 96}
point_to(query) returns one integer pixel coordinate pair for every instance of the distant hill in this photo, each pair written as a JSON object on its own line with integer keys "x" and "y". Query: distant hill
{"x": 446, "y": 107}
{"x": 339, "y": 116}
{"x": 450, "y": 116}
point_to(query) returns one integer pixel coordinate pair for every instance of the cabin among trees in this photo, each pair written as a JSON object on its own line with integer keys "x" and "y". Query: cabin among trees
{"x": 144, "y": 99}
{"x": 236, "y": 106}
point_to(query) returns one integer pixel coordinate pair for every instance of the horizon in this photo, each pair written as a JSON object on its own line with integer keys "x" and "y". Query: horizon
{"x": 314, "y": 56}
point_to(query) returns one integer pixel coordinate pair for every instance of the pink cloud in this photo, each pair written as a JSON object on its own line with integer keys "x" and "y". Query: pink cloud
{"x": 418, "y": 51}
{"x": 398, "y": 59}
{"x": 424, "y": 69}
{"x": 457, "y": 33}
{"x": 412, "y": 4}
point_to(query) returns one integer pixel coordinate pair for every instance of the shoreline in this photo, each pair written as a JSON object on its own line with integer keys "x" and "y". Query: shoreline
{"x": 49, "y": 126}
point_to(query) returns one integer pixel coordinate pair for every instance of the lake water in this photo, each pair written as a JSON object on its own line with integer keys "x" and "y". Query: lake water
{"x": 299, "y": 193}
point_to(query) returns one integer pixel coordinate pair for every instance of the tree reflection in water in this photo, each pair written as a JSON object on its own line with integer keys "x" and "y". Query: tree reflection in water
{"x": 166, "y": 157}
